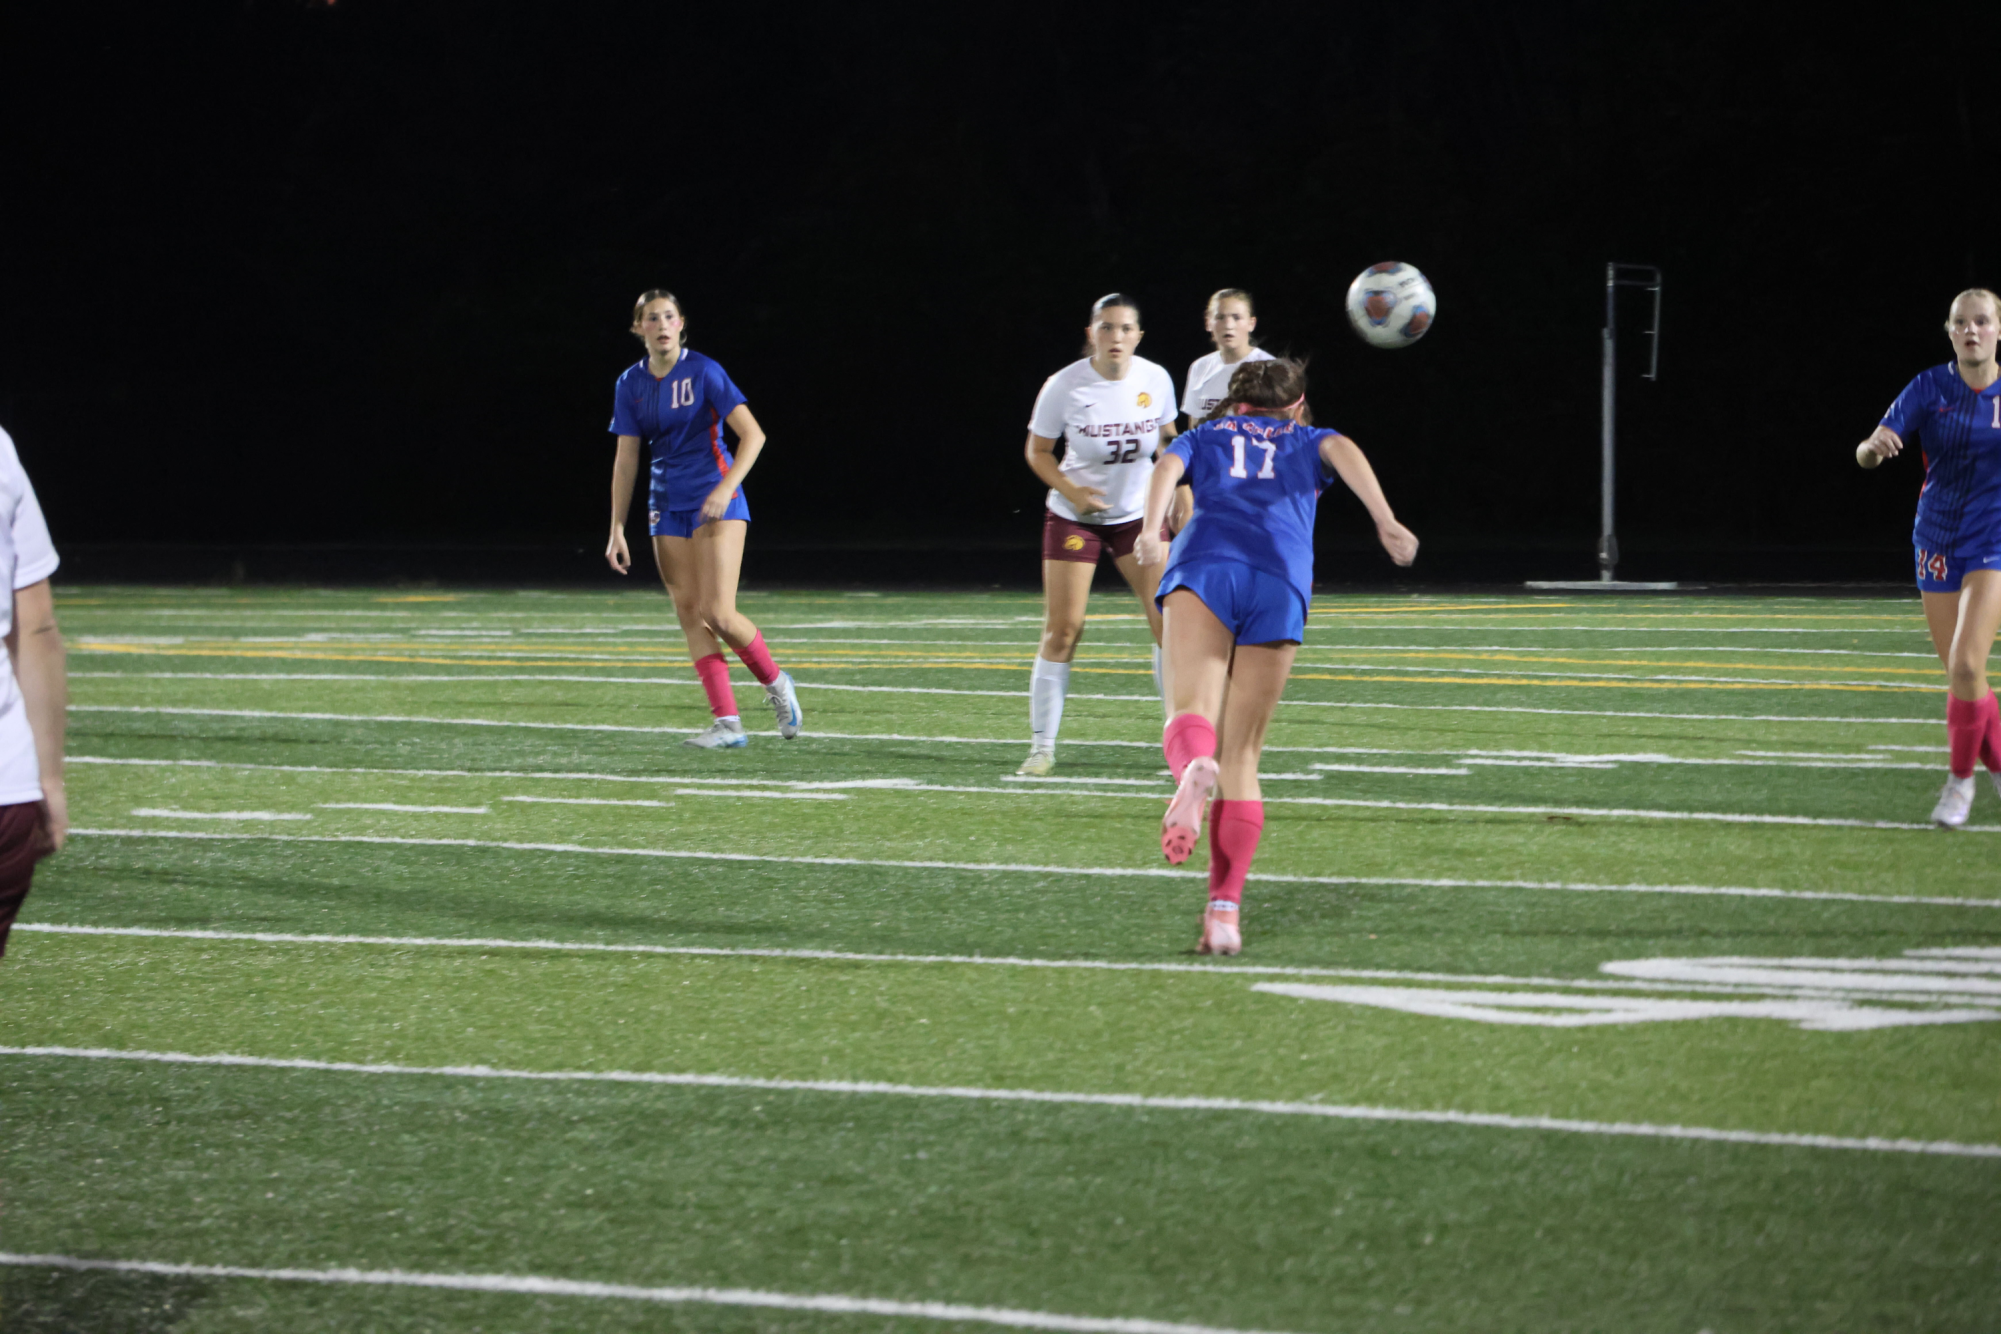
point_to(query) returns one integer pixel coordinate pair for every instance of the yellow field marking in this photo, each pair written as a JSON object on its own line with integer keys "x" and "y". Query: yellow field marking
{"x": 1629, "y": 662}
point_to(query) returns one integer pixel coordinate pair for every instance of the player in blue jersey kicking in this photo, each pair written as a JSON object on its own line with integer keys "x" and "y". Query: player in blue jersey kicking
{"x": 1954, "y": 412}
{"x": 1234, "y": 597}
{"x": 678, "y": 401}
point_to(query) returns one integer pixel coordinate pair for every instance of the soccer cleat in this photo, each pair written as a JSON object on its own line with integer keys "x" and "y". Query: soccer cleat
{"x": 1219, "y": 932}
{"x": 784, "y": 701}
{"x": 1040, "y": 763}
{"x": 1955, "y": 802}
{"x": 722, "y": 734}
{"x": 1182, "y": 824}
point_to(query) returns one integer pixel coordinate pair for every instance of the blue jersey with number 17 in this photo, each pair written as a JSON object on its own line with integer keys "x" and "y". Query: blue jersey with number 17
{"x": 1959, "y": 429}
{"x": 1257, "y": 482}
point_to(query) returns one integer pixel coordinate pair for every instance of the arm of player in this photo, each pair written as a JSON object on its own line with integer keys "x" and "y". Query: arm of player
{"x": 1883, "y": 443}
{"x": 36, "y": 646}
{"x": 1345, "y": 457}
{"x": 624, "y": 469}
{"x": 1041, "y": 453}
{"x": 1159, "y": 495}
{"x": 1184, "y": 498}
{"x": 749, "y": 444}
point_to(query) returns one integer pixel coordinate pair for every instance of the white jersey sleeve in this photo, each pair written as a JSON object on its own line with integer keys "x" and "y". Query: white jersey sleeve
{"x": 1209, "y": 381}
{"x": 27, "y": 557}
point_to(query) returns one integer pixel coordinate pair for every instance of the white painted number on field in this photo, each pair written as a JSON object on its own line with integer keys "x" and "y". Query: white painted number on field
{"x": 1822, "y": 995}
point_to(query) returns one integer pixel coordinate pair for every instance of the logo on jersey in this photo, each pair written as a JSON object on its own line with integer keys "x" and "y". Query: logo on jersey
{"x": 1073, "y": 543}
{"x": 1145, "y": 400}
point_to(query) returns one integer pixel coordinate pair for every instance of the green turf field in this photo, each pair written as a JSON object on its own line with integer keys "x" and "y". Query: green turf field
{"x": 1601, "y": 973}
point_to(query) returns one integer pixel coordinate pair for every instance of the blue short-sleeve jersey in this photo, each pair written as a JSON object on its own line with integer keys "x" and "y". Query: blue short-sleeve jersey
{"x": 1257, "y": 482}
{"x": 679, "y": 416}
{"x": 1959, "y": 430}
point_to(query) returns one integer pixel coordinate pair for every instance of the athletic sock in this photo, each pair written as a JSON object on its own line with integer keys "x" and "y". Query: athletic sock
{"x": 1990, "y": 735}
{"x": 715, "y": 673}
{"x": 1965, "y": 730}
{"x": 757, "y": 658}
{"x": 1047, "y": 685}
{"x": 1160, "y": 682}
{"x": 1188, "y": 736}
{"x": 1234, "y": 829}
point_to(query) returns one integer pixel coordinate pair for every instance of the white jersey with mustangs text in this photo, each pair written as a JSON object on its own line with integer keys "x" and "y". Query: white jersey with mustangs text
{"x": 27, "y": 557}
{"x": 1209, "y": 381}
{"x": 1109, "y": 429}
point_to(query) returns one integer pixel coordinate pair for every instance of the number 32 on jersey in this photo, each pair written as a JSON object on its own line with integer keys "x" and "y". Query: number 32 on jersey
{"x": 1237, "y": 468}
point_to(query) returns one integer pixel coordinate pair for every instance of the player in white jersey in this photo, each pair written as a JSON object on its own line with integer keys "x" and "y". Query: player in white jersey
{"x": 1113, "y": 411}
{"x": 1231, "y": 319}
{"x": 34, "y": 815}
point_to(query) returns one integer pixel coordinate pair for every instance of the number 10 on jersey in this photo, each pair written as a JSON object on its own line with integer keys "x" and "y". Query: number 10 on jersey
{"x": 1237, "y": 468}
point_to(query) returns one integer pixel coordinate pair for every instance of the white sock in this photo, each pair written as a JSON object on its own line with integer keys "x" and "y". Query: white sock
{"x": 1159, "y": 682}
{"x": 1047, "y": 685}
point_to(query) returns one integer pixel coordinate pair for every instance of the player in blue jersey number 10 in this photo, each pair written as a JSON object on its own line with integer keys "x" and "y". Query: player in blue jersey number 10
{"x": 1954, "y": 412}
{"x": 1234, "y": 596}
{"x": 677, "y": 402}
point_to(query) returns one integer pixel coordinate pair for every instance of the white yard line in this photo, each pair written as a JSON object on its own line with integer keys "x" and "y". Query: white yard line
{"x": 538, "y": 1286}
{"x": 173, "y": 813}
{"x": 1331, "y": 1111}
{"x": 983, "y": 741}
{"x": 1147, "y": 872}
{"x": 393, "y": 806}
{"x": 1843, "y": 988}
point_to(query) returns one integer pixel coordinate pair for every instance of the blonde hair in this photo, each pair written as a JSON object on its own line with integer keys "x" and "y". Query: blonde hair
{"x": 647, "y": 298}
{"x": 1992, "y": 300}
{"x": 1222, "y": 294}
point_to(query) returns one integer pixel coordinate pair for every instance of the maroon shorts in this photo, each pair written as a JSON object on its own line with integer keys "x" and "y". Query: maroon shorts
{"x": 20, "y": 848}
{"x": 1066, "y": 539}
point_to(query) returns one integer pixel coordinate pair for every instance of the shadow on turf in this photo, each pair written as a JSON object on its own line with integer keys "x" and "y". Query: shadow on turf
{"x": 57, "y": 1301}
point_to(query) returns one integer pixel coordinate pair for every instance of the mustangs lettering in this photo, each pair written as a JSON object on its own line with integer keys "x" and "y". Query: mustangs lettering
{"x": 1110, "y": 430}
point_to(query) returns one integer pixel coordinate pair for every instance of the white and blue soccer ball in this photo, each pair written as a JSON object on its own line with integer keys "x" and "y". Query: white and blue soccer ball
{"x": 1391, "y": 304}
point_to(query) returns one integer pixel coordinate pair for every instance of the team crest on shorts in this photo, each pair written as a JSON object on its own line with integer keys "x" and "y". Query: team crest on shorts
{"x": 1145, "y": 399}
{"x": 653, "y": 517}
{"x": 1073, "y": 543}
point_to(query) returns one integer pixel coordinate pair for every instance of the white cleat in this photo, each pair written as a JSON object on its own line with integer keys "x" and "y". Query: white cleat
{"x": 1219, "y": 932}
{"x": 1041, "y": 762}
{"x": 784, "y": 701}
{"x": 722, "y": 734}
{"x": 1955, "y": 803}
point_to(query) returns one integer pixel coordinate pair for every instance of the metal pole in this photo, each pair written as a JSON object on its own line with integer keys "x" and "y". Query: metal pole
{"x": 1608, "y": 544}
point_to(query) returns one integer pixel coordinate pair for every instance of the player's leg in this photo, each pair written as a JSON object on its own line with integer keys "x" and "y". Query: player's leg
{"x": 1144, "y": 580}
{"x": 1199, "y": 646}
{"x": 1069, "y": 559}
{"x": 1237, "y": 815}
{"x": 680, "y": 571}
{"x": 20, "y": 845}
{"x": 718, "y": 547}
{"x": 1973, "y": 722}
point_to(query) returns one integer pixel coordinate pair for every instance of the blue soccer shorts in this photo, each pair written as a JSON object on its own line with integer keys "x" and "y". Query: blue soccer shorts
{"x": 1940, "y": 573}
{"x": 683, "y": 523}
{"x": 1259, "y": 608}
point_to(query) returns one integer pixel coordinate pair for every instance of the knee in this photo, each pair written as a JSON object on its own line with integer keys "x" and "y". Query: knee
{"x": 1060, "y": 641}
{"x": 1966, "y": 671}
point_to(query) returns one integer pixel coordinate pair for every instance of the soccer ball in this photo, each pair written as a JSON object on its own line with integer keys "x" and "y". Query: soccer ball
{"x": 1391, "y": 305}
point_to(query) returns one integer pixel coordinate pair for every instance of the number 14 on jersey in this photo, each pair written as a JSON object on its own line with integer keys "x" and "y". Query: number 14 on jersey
{"x": 1237, "y": 468}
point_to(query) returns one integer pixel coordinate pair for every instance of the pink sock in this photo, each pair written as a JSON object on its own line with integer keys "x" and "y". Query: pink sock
{"x": 758, "y": 658}
{"x": 1189, "y": 736}
{"x": 1234, "y": 828}
{"x": 1965, "y": 729}
{"x": 1990, "y": 736}
{"x": 715, "y": 673}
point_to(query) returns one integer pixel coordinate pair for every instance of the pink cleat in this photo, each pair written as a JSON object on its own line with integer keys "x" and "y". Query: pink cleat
{"x": 1183, "y": 823}
{"x": 1219, "y": 932}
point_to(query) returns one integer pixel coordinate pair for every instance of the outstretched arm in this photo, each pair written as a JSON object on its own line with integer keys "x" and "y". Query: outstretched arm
{"x": 1159, "y": 496}
{"x": 1345, "y": 457}
{"x": 749, "y": 444}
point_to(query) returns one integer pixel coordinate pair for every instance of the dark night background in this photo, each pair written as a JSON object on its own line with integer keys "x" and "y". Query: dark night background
{"x": 287, "y": 272}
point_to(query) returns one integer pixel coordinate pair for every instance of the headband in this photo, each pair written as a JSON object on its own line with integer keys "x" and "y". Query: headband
{"x": 1253, "y": 410}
